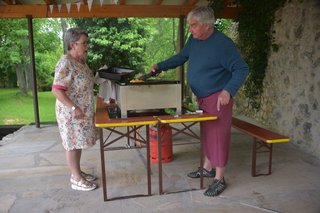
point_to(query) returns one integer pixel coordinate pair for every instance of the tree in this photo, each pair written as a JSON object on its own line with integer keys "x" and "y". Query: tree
{"x": 48, "y": 50}
{"x": 14, "y": 48}
{"x": 118, "y": 42}
{"x": 7, "y": 75}
{"x": 163, "y": 42}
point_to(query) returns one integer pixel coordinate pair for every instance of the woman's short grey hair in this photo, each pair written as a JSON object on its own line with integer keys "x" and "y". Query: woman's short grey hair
{"x": 73, "y": 35}
{"x": 203, "y": 14}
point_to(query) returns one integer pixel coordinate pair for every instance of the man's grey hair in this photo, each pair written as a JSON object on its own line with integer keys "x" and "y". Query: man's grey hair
{"x": 73, "y": 35}
{"x": 203, "y": 14}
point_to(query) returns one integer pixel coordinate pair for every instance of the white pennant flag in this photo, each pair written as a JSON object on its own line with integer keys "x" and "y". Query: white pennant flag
{"x": 89, "y": 4}
{"x": 51, "y": 8}
{"x": 68, "y": 7}
{"x": 59, "y": 7}
{"x": 78, "y": 5}
{"x": 101, "y": 2}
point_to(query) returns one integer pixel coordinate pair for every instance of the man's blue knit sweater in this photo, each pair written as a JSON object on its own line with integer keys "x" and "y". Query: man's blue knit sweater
{"x": 214, "y": 64}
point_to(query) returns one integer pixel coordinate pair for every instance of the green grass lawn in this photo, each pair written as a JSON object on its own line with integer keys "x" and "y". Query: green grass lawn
{"x": 16, "y": 109}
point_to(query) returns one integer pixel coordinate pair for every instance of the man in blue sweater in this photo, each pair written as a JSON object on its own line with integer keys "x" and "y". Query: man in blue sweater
{"x": 215, "y": 73}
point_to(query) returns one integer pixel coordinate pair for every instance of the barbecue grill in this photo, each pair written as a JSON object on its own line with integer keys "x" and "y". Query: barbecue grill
{"x": 143, "y": 96}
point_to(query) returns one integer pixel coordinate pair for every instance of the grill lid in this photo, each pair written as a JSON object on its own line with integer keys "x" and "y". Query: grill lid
{"x": 116, "y": 73}
{"x": 149, "y": 82}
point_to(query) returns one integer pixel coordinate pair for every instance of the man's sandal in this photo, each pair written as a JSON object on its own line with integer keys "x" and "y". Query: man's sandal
{"x": 206, "y": 173}
{"x": 82, "y": 185}
{"x": 215, "y": 188}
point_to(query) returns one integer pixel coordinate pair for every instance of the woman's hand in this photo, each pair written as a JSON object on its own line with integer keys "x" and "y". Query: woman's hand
{"x": 78, "y": 114}
{"x": 60, "y": 94}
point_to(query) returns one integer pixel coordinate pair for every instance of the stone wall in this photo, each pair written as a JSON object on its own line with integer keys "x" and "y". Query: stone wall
{"x": 291, "y": 97}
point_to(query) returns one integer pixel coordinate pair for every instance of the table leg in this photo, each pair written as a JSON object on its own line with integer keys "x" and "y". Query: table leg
{"x": 128, "y": 139}
{"x": 201, "y": 156}
{"x": 103, "y": 170}
{"x": 159, "y": 157}
{"x": 148, "y": 159}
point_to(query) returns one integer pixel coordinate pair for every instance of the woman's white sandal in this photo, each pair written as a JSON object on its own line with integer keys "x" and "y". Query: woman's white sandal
{"x": 82, "y": 185}
{"x": 86, "y": 176}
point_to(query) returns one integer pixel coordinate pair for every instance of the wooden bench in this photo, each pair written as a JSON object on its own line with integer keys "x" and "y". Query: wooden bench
{"x": 263, "y": 139}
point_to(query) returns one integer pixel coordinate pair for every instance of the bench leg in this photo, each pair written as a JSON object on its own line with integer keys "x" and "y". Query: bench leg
{"x": 254, "y": 158}
{"x": 256, "y": 145}
{"x": 270, "y": 158}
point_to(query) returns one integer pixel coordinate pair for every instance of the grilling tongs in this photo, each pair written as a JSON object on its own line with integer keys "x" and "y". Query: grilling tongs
{"x": 150, "y": 74}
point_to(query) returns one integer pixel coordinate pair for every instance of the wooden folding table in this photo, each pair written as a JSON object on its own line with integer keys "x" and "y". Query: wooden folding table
{"x": 187, "y": 120}
{"x": 103, "y": 121}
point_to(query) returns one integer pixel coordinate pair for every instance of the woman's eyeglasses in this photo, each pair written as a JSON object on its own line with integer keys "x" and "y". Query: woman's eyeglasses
{"x": 85, "y": 43}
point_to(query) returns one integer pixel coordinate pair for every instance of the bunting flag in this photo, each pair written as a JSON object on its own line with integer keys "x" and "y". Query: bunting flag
{"x": 101, "y": 3}
{"x": 59, "y": 7}
{"x": 90, "y": 4}
{"x": 68, "y": 7}
{"x": 51, "y": 8}
{"x": 78, "y": 5}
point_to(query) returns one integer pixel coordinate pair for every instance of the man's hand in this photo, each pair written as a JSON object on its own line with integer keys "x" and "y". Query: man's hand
{"x": 223, "y": 99}
{"x": 153, "y": 68}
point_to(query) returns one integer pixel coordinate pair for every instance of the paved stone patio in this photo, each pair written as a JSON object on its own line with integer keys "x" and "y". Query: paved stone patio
{"x": 34, "y": 178}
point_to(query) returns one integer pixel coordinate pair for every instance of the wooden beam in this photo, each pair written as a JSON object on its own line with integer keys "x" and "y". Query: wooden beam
{"x": 157, "y": 2}
{"x": 230, "y": 3}
{"x": 43, "y": 11}
{"x": 12, "y": 2}
{"x": 48, "y": 2}
{"x": 191, "y": 2}
{"x": 9, "y": 2}
{"x": 229, "y": 13}
{"x": 122, "y": 2}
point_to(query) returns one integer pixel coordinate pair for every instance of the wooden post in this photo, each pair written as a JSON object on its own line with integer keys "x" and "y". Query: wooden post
{"x": 33, "y": 70}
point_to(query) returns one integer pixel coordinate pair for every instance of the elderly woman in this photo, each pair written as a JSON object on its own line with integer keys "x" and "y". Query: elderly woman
{"x": 73, "y": 89}
{"x": 215, "y": 73}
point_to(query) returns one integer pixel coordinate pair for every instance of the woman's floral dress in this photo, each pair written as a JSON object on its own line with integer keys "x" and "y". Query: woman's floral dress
{"x": 77, "y": 80}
